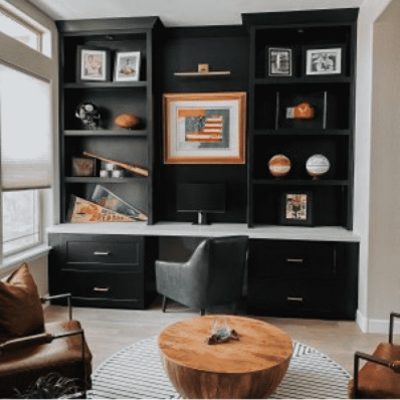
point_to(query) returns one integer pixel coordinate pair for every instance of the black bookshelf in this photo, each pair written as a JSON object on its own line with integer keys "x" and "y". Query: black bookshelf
{"x": 112, "y": 98}
{"x": 330, "y": 133}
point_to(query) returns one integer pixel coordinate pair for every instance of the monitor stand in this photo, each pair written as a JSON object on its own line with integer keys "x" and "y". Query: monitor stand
{"x": 201, "y": 218}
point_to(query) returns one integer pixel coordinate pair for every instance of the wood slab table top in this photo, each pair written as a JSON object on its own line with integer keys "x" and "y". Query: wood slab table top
{"x": 261, "y": 346}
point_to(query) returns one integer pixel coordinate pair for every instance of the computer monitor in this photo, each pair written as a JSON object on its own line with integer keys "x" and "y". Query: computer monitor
{"x": 201, "y": 198}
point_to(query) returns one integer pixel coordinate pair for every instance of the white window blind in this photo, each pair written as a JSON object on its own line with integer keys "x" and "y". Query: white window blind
{"x": 25, "y": 130}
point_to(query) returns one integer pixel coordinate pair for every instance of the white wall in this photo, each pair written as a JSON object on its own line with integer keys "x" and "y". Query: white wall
{"x": 364, "y": 215}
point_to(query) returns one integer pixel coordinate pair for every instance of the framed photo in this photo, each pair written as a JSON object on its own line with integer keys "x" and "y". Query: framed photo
{"x": 93, "y": 64}
{"x": 279, "y": 61}
{"x": 326, "y": 61}
{"x": 204, "y": 128}
{"x": 83, "y": 166}
{"x": 127, "y": 66}
{"x": 296, "y": 208}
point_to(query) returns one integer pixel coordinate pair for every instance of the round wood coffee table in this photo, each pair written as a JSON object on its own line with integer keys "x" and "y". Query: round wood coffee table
{"x": 251, "y": 367}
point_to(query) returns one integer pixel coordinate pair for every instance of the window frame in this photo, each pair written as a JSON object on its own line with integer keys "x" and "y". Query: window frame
{"x": 41, "y": 63}
{"x": 21, "y": 21}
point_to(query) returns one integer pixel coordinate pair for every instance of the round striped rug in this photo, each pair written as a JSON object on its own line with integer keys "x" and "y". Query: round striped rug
{"x": 136, "y": 372}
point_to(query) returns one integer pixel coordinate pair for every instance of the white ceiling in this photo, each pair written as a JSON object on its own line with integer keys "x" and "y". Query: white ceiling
{"x": 181, "y": 12}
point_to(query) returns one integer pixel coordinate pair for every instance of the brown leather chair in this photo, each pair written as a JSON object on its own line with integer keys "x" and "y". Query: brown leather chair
{"x": 379, "y": 378}
{"x": 61, "y": 348}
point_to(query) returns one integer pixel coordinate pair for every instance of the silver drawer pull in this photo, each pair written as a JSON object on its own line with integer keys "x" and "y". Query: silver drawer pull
{"x": 297, "y": 299}
{"x": 101, "y": 289}
{"x": 295, "y": 260}
{"x": 101, "y": 253}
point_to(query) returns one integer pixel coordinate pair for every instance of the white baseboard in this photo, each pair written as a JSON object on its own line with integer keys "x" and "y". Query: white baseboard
{"x": 370, "y": 325}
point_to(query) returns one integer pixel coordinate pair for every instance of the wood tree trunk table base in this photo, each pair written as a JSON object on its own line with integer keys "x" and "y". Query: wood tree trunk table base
{"x": 251, "y": 367}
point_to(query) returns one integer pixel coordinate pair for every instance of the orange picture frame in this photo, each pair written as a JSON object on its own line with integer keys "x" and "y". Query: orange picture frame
{"x": 204, "y": 128}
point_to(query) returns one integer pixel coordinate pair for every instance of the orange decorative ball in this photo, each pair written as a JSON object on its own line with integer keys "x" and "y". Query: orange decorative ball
{"x": 279, "y": 165}
{"x": 126, "y": 120}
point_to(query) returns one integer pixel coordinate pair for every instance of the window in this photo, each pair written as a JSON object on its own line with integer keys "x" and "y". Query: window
{"x": 26, "y": 156}
{"x": 21, "y": 220}
{"x": 21, "y": 30}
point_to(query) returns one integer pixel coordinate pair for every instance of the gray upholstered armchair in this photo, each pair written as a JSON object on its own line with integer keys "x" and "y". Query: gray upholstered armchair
{"x": 213, "y": 275}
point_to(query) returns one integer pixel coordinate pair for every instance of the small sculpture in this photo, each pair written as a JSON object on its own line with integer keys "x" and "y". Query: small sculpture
{"x": 126, "y": 120}
{"x": 221, "y": 332}
{"x": 301, "y": 111}
{"x": 317, "y": 165}
{"x": 279, "y": 165}
{"x": 89, "y": 114}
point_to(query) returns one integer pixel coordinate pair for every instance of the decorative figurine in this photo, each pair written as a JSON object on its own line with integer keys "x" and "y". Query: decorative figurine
{"x": 221, "y": 332}
{"x": 89, "y": 114}
{"x": 317, "y": 165}
{"x": 301, "y": 111}
{"x": 279, "y": 165}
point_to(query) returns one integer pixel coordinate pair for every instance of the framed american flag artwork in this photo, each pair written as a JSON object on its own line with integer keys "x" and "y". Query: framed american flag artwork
{"x": 204, "y": 128}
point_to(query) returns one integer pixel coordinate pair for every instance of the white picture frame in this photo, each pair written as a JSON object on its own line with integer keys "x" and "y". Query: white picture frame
{"x": 324, "y": 61}
{"x": 127, "y": 66}
{"x": 93, "y": 65}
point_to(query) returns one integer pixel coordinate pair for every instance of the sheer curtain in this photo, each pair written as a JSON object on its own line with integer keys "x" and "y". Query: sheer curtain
{"x": 25, "y": 131}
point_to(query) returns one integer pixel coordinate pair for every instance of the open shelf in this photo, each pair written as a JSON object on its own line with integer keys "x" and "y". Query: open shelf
{"x": 95, "y": 179}
{"x": 307, "y": 79}
{"x": 302, "y": 132}
{"x": 104, "y": 85}
{"x": 302, "y": 182}
{"x": 106, "y": 132}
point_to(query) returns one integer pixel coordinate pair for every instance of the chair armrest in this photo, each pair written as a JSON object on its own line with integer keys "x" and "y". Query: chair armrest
{"x": 68, "y": 296}
{"x": 393, "y": 315}
{"x": 393, "y": 365}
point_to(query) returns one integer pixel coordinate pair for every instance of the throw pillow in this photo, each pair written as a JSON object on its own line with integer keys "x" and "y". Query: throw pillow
{"x": 21, "y": 310}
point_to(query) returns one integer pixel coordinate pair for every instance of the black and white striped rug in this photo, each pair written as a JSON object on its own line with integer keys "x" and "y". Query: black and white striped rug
{"x": 136, "y": 372}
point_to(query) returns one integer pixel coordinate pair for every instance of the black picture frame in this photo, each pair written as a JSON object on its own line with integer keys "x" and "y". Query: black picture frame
{"x": 279, "y": 61}
{"x": 304, "y": 215}
{"x": 104, "y": 71}
{"x": 329, "y": 67}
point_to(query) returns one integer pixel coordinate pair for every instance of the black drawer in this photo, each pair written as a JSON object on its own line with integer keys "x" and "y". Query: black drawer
{"x": 295, "y": 298}
{"x": 104, "y": 285}
{"x": 292, "y": 259}
{"x": 106, "y": 252}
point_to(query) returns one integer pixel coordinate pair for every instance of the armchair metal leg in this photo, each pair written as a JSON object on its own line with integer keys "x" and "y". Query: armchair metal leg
{"x": 164, "y": 303}
{"x": 202, "y": 311}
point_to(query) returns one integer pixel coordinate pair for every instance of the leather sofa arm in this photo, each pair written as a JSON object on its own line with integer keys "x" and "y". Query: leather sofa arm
{"x": 68, "y": 296}
{"x": 393, "y": 315}
{"x": 393, "y": 365}
{"x": 38, "y": 339}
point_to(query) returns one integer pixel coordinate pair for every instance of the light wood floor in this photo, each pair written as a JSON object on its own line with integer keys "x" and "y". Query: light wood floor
{"x": 108, "y": 330}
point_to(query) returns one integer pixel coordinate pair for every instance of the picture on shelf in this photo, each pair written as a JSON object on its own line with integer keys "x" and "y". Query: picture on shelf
{"x": 324, "y": 61}
{"x": 127, "y": 66}
{"x": 204, "y": 128}
{"x": 82, "y": 166}
{"x": 93, "y": 64}
{"x": 296, "y": 208}
{"x": 279, "y": 61}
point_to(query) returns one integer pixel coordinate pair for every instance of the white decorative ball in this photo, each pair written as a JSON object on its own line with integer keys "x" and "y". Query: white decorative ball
{"x": 317, "y": 165}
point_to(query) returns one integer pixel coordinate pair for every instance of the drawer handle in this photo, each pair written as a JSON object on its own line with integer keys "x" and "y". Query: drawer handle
{"x": 101, "y": 289}
{"x": 295, "y": 260}
{"x": 102, "y": 253}
{"x": 296, "y": 299}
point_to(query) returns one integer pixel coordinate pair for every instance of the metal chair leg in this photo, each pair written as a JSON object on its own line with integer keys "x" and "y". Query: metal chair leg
{"x": 202, "y": 311}
{"x": 164, "y": 303}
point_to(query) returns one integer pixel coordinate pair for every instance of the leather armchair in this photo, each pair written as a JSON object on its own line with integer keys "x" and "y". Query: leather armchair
{"x": 213, "y": 276}
{"x": 60, "y": 348}
{"x": 379, "y": 378}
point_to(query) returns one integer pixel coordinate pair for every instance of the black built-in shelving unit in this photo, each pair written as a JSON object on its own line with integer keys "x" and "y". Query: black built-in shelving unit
{"x": 130, "y": 146}
{"x": 330, "y": 132}
{"x": 253, "y": 194}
